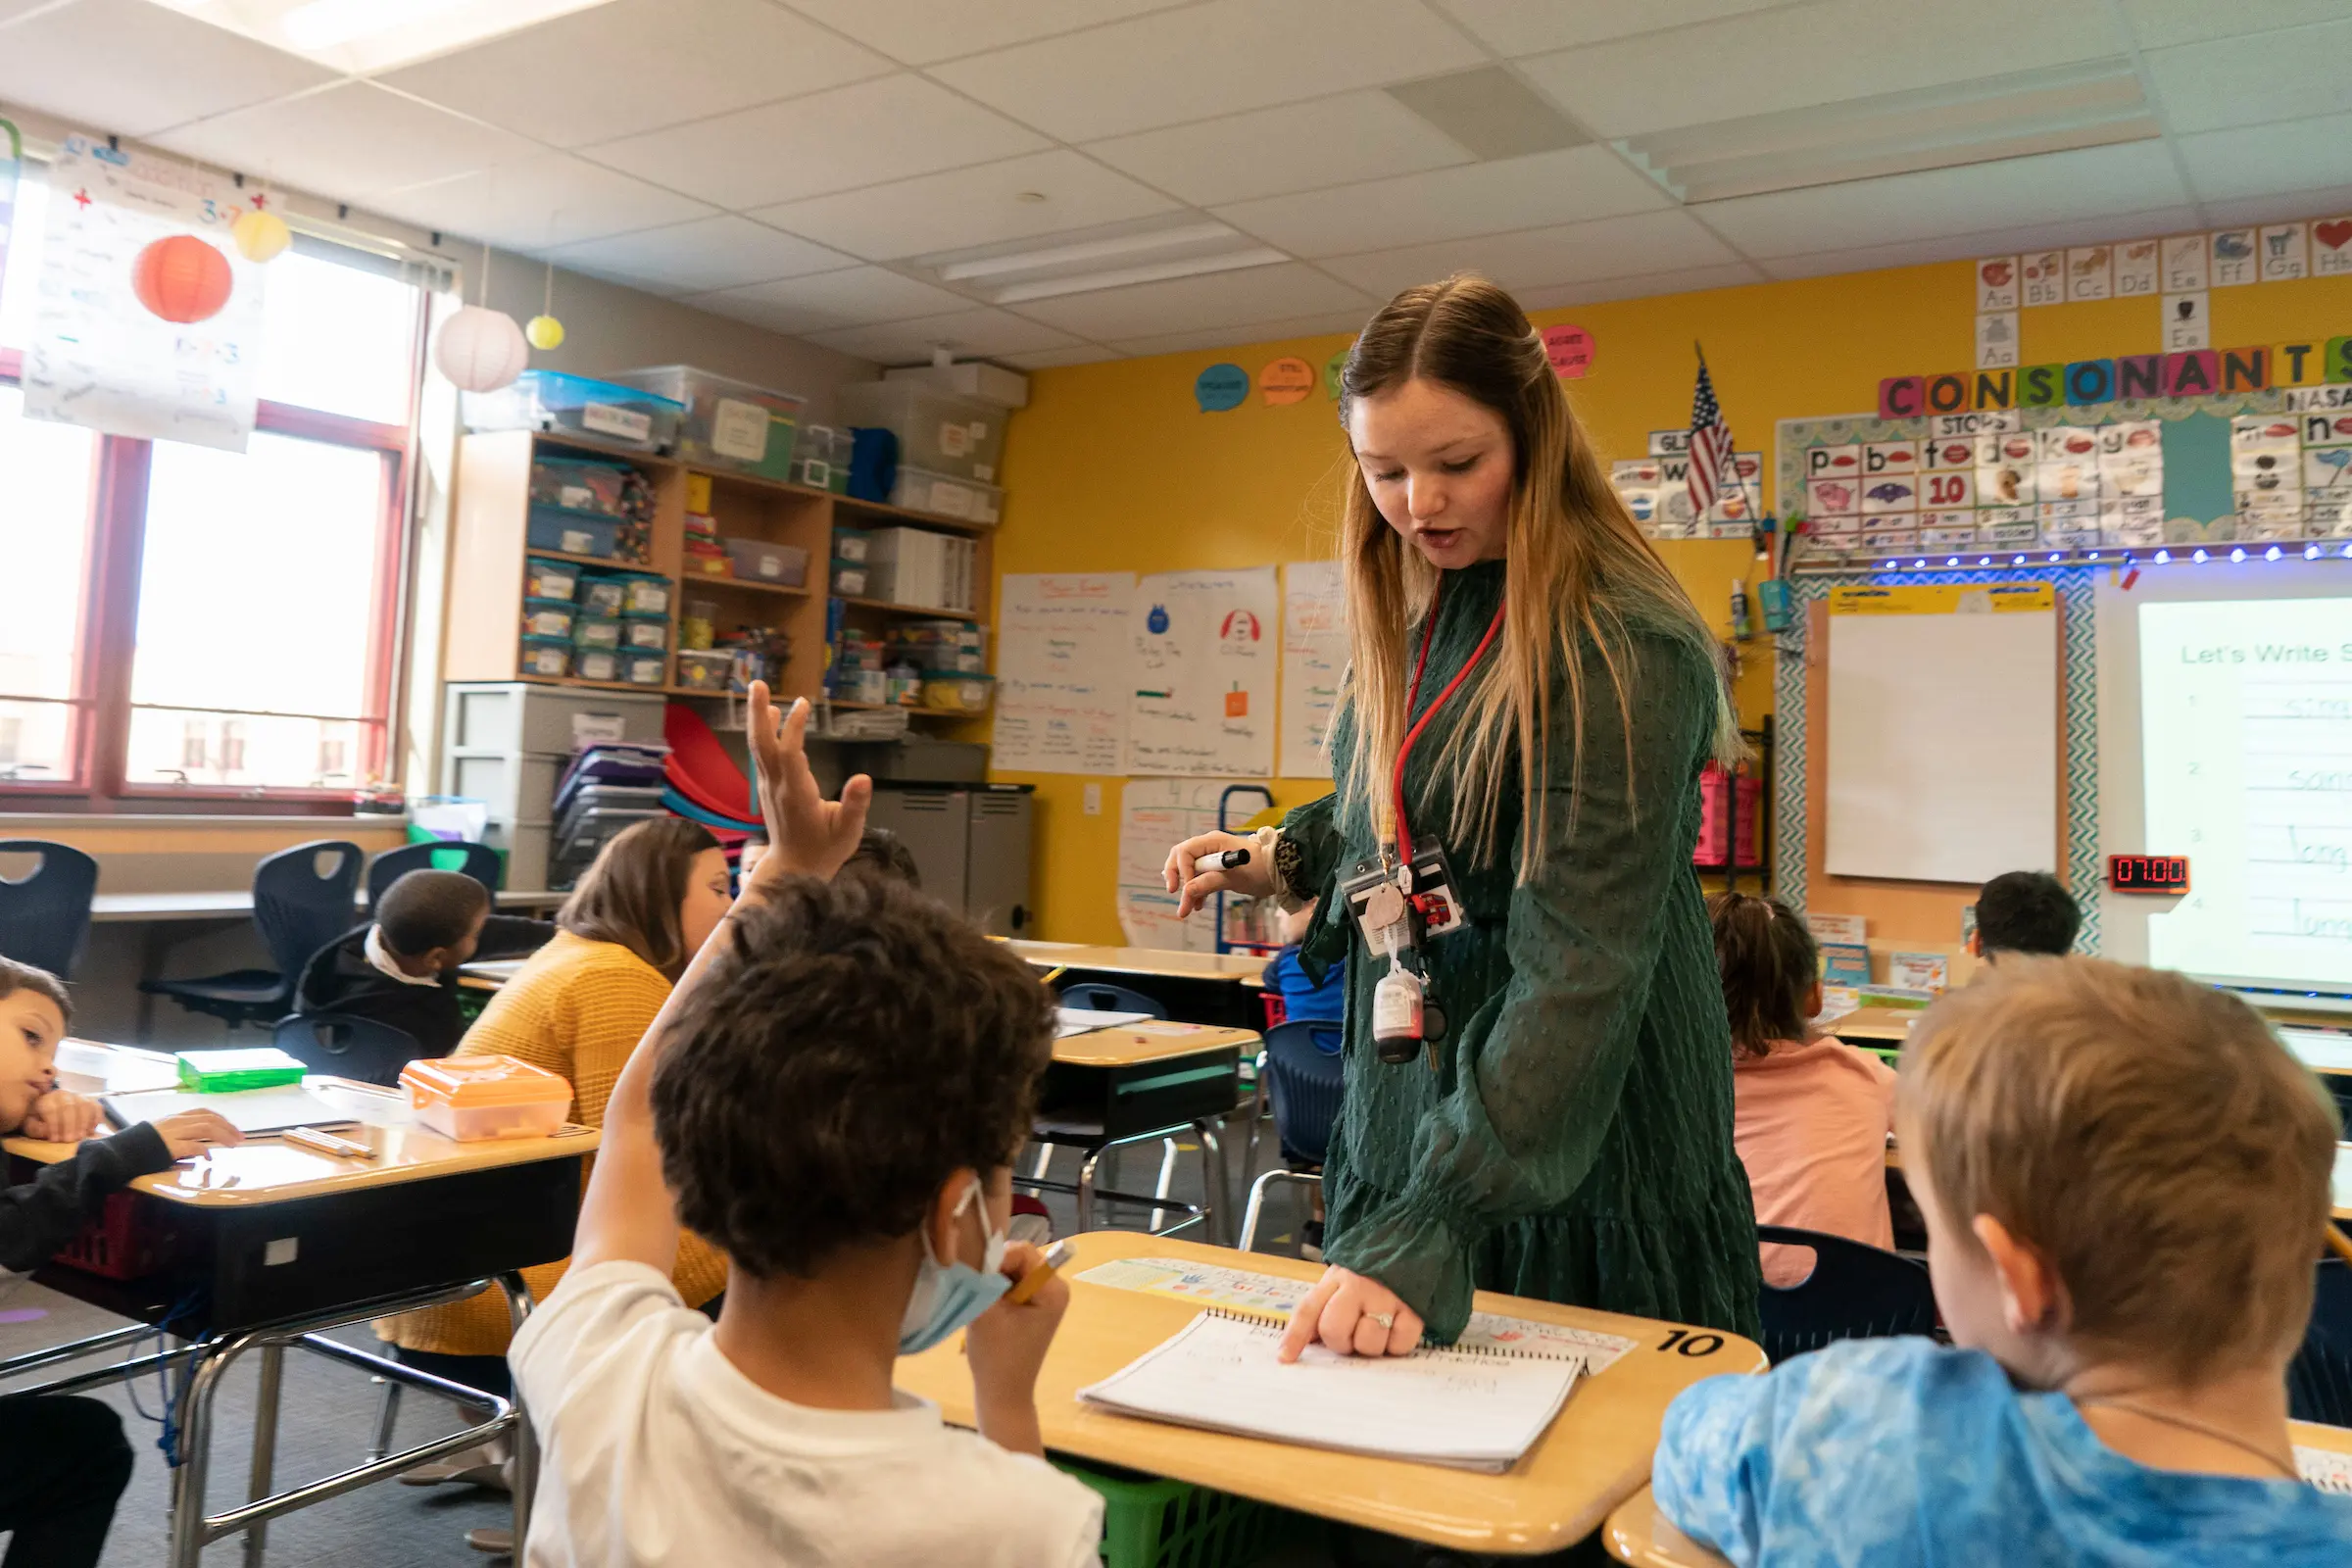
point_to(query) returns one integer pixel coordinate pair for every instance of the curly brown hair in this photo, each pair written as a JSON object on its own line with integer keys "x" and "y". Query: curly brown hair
{"x": 856, "y": 1043}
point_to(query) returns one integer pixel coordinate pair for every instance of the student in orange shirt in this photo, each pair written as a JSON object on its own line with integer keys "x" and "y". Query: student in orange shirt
{"x": 1810, "y": 1116}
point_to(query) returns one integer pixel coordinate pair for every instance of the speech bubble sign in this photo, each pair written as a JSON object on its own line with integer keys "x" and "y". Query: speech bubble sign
{"x": 1221, "y": 387}
{"x": 1333, "y": 368}
{"x": 1288, "y": 379}
{"x": 1570, "y": 350}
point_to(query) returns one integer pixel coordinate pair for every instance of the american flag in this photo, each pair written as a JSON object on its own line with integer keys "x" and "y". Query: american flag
{"x": 1710, "y": 444}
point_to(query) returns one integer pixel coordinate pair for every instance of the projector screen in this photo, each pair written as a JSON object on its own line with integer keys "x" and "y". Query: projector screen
{"x": 2245, "y": 742}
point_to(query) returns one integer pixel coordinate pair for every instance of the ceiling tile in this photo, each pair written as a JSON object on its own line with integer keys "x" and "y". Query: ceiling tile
{"x": 1049, "y": 359}
{"x": 2161, "y": 24}
{"x": 134, "y": 68}
{"x": 617, "y": 70}
{"x": 1525, "y": 26}
{"x": 348, "y": 141}
{"x": 2051, "y": 187}
{"x": 2252, "y": 81}
{"x": 1292, "y": 147}
{"x": 1326, "y": 324}
{"x": 967, "y": 207}
{"x": 888, "y": 129}
{"x": 16, "y": 8}
{"x": 922, "y": 31}
{"x": 1190, "y": 303}
{"x": 553, "y": 198}
{"x": 855, "y": 296}
{"x": 1573, "y": 253}
{"x": 2301, "y": 155}
{"x": 712, "y": 253}
{"x": 1824, "y": 52}
{"x": 2089, "y": 230}
{"x": 981, "y": 335}
{"x": 1210, "y": 58}
{"x": 1640, "y": 285}
{"x": 1567, "y": 186}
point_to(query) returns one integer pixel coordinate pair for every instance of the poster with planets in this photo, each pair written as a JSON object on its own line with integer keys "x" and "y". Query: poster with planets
{"x": 146, "y": 321}
{"x": 1207, "y": 649}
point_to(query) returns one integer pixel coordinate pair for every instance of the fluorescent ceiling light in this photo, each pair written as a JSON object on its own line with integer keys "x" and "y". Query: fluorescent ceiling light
{"x": 2051, "y": 110}
{"x": 360, "y": 36}
{"x": 1152, "y": 252}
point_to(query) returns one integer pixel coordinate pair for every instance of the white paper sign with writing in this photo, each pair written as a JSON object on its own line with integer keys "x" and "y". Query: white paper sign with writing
{"x": 1206, "y": 658}
{"x": 1062, "y": 652}
{"x": 1155, "y": 814}
{"x": 99, "y": 357}
{"x": 1314, "y": 653}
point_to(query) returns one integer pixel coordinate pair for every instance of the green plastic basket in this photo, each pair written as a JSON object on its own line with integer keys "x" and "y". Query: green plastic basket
{"x": 1149, "y": 1522}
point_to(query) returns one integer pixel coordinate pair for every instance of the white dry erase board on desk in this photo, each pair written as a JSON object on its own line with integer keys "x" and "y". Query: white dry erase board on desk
{"x": 1942, "y": 731}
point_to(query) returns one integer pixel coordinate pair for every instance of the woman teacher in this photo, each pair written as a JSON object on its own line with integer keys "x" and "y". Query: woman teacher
{"x": 1532, "y": 693}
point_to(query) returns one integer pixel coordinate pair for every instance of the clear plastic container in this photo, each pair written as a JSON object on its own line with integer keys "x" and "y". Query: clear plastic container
{"x": 555, "y": 581}
{"x": 471, "y": 1098}
{"x": 786, "y": 566}
{"x": 640, "y": 635}
{"x": 645, "y": 596}
{"x": 596, "y": 631}
{"x": 821, "y": 459}
{"x": 945, "y": 494}
{"x": 596, "y": 664}
{"x": 602, "y": 596}
{"x": 547, "y": 620}
{"x": 958, "y": 693}
{"x": 602, "y": 411}
{"x": 644, "y": 669}
{"x": 547, "y": 656}
{"x": 728, "y": 422}
{"x": 960, "y": 437}
{"x": 575, "y": 533}
{"x": 851, "y": 579}
{"x": 851, "y": 545}
{"x": 704, "y": 669}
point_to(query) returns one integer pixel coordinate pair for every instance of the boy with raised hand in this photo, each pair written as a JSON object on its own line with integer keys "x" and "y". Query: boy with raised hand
{"x": 833, "y": 1095}
{"x": 2124, "y": 1178}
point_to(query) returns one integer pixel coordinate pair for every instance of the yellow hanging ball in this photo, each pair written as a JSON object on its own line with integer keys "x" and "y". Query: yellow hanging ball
{"x": 260, "y": 237}
{"x": 544, "y": 332}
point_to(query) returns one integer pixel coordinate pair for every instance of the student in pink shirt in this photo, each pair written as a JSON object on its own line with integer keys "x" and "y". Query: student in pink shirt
{"x": 1810, "y": 1117}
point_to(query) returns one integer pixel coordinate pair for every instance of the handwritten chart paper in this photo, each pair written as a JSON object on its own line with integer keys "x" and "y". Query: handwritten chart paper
{"x": 100, "y": 358}
{"x": 1155, "y": 814}
{"x": 1062, "y": 654}
{"x": 1204, "y": 669}
{"x": 1314, "y": 651}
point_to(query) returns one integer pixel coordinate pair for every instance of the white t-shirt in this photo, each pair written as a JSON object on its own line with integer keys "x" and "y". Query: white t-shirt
{"x": 655, "y": 1452}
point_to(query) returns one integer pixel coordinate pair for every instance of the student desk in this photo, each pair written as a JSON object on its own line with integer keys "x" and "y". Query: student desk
{"x": 489, "y": 975}
{"x": 1219, "y": 987}
{"x": 1875, "y": 1026}
{"x": 272, "y": 1246}
{"x": 1141, "y": 1084}
{"x": 237, "y": 905}
{"x": 1638, "y": 1534}
{"x": 1593, "y": 1457}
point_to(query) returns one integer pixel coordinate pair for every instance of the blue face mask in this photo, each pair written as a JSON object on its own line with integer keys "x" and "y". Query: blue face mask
{"x": 949, "y": 1296}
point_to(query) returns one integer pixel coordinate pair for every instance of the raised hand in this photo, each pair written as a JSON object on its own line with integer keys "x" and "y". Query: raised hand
{"x": 807, "y": 835}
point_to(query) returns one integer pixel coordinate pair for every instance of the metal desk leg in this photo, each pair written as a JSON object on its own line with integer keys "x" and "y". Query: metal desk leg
{"x": 1085, "y": 1188}
{"x": 1212, "y": 1180}
{"x": 186, "y": 1549}
{"x": 525, "y": 1479}
{"x": 387, "y": 1416}
{"x": 265, "y": 1446}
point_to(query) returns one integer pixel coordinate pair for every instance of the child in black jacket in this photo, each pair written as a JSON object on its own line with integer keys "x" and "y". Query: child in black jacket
{"x": 63, "y": 1461}
{"x": 402, "y": 968}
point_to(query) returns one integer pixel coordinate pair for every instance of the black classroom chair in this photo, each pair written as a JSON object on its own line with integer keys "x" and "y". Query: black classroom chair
{"x": 348, "y": 1046}
{"x": 476, "y": 860}
{"x": 302, "y": 900}
{"x": 1094, "y": 997}
{"x": 1855, "y": 1291}
{"x": 45, "y": 914}
{"x": 2318, "y": 1381}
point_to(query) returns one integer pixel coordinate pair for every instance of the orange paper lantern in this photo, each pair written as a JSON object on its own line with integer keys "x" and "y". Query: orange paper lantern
{"x": 181, "y": 278}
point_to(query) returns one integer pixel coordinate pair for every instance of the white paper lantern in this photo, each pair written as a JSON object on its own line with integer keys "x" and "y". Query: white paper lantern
{"x": 480, "y": 349}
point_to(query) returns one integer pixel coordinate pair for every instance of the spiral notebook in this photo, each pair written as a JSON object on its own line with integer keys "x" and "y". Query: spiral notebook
{"x": 1473, "y": 1408}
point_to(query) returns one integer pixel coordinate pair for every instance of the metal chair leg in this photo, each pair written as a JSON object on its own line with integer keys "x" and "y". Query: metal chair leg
{"x": 525, "y": 1478}
{"x": 1086, "y": 1189}
{"x": 1044, "y": 1165}
{"x": 1167, "y": 1178}
{"x": 1213, "y": 1179}
{"x": 264, "y": 1446}
{"x": 1258, "y": 1117}
{"x": 186, "y": 1549}
{"x": 387, "y": 1412}
{"x": 1257, "y": 1200}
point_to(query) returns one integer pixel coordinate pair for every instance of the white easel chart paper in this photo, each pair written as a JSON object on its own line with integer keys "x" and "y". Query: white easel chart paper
{"x": 1062, "y": 652}
{"x": 1314, "y": 653}
{"x": 99, "y": 357}
{"x": 1206, "y": 660}
{"x": 1155, "y": 814}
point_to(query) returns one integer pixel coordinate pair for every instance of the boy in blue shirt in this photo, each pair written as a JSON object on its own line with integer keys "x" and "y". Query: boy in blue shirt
{"x": 2123, "y": 1176}
{"x": 1305, "y": 999}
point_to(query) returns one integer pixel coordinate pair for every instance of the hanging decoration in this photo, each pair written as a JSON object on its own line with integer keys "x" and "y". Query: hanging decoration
{"x": 181, "y": 278}
{"x": 480, "y": 349}
{"x": 262, "y": 235}
{"x": 543, "y": 329}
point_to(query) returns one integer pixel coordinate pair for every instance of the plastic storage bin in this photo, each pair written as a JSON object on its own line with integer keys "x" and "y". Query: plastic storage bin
{"x": 575, "y": 533}
{"x": 851, "y": 578}
{"x": 820, "y": 457}
{"x": 598, "y": 485}
{"x": 853, "y": 545}
{"x": 947, "y": 496}
{"x": 728, "y": 422}
{"x": 475, "y": 1098}
{"x": 704, "y": 669}
{"x": 958, "y": 437}
{"x": 596, "y": 631}
{"x": 505, "y": 717}
{"x": 644, "y": 669}
{"x": 602, "y": 411}
{"x": 601, "y": 596}
{"x": 786, "y": 566}
{"x": 1148, "y": 1522}
{"x": 550, "y": 579}
{"x": 958, "y": 693}
{"x": 596, "y": 664}
{"x": 547, "y": 620}
{"x": 644, "y": 636}
{"x": 547, "y": 656}
{"x": 645, "y": 596}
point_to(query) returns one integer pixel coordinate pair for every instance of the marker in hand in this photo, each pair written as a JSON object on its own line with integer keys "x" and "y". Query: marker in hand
{"x": 1222, "y": 860}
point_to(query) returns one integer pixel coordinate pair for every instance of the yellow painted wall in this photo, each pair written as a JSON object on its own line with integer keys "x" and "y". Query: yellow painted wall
{"x": 1111, "y": 468}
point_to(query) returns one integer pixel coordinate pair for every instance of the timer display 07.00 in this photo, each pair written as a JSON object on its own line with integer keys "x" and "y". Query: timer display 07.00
{"x": 2164, "y": 874}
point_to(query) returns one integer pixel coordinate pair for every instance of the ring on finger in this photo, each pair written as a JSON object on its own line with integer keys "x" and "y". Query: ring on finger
{"x": 1386, "y": 1320}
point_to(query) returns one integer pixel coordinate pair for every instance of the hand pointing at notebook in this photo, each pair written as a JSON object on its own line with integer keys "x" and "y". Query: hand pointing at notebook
{"x": 1353, "y": 1314}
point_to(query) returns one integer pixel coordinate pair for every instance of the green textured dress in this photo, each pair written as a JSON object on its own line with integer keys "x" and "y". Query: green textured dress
{"x": 1575, "y": 1142}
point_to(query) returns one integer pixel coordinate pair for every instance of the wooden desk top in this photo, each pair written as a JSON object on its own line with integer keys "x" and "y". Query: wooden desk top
{"x": 1638, "y": 1534}
{"x": 269, "y": 1170}
{"x": 490, "y": 974}
{"x": 1596, "y": 1453}
{"x": 1228, "y": 966}
{"x": 237, "y": 903}
{"x": 1148, "y": 1042}
{"x": 1876, "y": 1025}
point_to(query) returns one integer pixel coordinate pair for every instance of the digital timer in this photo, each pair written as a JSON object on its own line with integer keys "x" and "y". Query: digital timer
{"x": 2164, "y": 874}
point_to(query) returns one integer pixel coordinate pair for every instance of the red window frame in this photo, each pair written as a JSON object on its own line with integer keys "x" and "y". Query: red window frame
{"x": 107, "y": 636}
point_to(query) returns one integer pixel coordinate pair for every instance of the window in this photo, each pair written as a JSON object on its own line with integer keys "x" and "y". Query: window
{"x": 188, "y": 623}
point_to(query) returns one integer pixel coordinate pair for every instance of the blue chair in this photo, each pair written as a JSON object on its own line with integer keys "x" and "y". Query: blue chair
{"x": 45, "y": 915}
{"x": 348, "y": 1046}
{"x": 1304, "y": 1078}
{"x": 302, "y": 899}
{"x": 1855, "y": 1291}
{"x": 2318, "y": 1381}
{"x": 476, "y": 860}
{"x": 1095, "y": 998}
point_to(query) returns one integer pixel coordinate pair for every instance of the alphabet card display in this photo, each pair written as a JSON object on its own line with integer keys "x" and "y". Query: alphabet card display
{"x": 2291, "y": 474}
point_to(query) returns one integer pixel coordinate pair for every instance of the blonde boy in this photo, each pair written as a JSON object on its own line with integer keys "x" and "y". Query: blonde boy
{"x": 2123, "y": 1177}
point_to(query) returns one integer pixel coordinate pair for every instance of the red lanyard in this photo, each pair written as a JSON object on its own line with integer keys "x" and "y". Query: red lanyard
{"x": 1404, "y": 838}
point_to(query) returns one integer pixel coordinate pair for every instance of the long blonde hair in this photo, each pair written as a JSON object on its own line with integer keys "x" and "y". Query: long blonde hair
{"x": 1575, "y": 564}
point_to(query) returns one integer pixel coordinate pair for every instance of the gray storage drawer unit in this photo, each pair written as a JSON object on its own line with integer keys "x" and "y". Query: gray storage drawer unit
{"x": 972, "y": 844}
